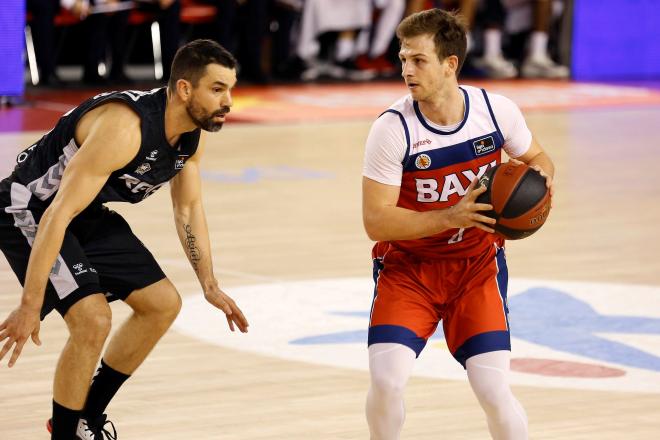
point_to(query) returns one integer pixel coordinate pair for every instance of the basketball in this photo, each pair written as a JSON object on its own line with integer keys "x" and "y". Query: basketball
{"x": 520, "y": 199}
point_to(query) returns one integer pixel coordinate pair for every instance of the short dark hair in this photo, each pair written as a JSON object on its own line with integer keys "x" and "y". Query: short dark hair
{"x": 447, "y": 28}
{"x": 191, "y": 60}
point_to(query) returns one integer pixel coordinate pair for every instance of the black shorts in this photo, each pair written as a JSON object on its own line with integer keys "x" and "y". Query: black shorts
{"x": 100, "y": 254}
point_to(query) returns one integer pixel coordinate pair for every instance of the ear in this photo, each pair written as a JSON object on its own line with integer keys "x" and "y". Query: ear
{"x": 451, "y": 62}
{"x": 183, "y": 89}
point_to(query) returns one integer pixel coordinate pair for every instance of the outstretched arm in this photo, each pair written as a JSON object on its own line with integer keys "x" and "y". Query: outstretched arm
{"x": 110, "y": 140}
{"x": 193, "y": 232}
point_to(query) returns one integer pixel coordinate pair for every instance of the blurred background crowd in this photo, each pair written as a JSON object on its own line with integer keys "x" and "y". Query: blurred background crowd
{"x": 100, "y": 42}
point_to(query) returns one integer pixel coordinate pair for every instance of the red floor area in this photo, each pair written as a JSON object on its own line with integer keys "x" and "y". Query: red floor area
{"x": 332, "y": 102}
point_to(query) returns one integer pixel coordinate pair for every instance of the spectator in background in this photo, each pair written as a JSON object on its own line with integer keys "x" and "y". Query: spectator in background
{"x": 374, "y": 42}
{"x": 103, "y": 29}
{"x": 327, "y": 39}
{"x": 241, "y": 27}
{"x": 166, "y": 13}
{"x": 284, "y": 31}
{"x": 538, "y": 16}
{"x": 42, "y": 26}
{"x": 490, "y": 16}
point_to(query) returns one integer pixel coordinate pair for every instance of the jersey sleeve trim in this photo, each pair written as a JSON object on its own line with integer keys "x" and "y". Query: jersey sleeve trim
{"x": 492, "y": 115}
{"x": 405, "y": 129}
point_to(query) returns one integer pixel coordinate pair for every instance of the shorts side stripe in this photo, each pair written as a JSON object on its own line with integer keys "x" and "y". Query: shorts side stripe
{"x": 60, "y": 275}
{"x": 378, "y": 266}
{"x": 502, "y": 281}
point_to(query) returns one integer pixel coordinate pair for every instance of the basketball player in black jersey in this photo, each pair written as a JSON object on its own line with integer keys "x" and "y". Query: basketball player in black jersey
{"x": 74, "y": 255}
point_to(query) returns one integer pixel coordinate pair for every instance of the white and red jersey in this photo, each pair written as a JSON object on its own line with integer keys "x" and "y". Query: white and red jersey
{"x": 434, "y": 165}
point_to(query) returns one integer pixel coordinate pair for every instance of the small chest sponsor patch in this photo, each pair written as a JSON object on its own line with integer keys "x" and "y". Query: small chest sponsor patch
{"x": 423, "y": 161}
{"x": 484, "y": 146}
{"x": 180, "y": 161}
{"x": 145, "y": 167}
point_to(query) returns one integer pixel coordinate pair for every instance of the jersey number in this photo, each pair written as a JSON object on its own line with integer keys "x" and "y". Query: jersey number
{"x": 457, "y": 236}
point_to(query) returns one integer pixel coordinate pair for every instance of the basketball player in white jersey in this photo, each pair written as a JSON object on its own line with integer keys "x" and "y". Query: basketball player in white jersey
{"x": 437, "y": 259}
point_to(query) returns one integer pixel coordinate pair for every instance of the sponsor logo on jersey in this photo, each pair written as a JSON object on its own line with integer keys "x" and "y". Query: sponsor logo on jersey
{"x": 79, "y": 268}
{"x": 145, "y": 167}
{"x": 428, "y": 190}
{"x": 180, "y": 161}
{"x": 137, "y": 186}
{"x": 422, "y": 142}
{"x": 152, "y": 155}
{"x": 484, "y": 146}
{"x": 423, "y": 161}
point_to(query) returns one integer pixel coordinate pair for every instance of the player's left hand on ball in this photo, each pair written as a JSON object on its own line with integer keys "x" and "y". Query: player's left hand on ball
{"x": 232, "y": 312}
{"x": 548, "y": 178}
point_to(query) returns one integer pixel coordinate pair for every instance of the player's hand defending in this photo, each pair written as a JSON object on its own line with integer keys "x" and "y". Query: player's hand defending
{"x": 17, "y": 328}
{"x": 465, "y": 214}
{"x": 222, "y": 301}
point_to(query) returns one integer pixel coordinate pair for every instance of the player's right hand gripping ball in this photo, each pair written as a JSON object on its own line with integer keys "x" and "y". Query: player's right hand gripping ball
{"x": 520, "y": 199}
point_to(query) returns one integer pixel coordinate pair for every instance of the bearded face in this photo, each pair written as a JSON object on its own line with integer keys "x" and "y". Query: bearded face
{"x": 208, "y": 120}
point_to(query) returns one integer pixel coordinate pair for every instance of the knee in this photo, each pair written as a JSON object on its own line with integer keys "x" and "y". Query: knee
{"x": 90, "y": 324}
{"x": 495, "y": 399}
{"x": 388, "y": 386}
{"x": 172, "y": 305}
{"x": 161, "y": 304}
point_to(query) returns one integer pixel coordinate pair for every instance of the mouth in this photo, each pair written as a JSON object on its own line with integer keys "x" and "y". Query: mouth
{"x": 412, "y": 86}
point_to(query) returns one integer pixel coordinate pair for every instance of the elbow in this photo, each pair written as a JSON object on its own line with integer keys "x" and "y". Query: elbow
{"x": 373, "y": 229}
{"x": 56, "y": 215}
{"x": 183, "y": 212}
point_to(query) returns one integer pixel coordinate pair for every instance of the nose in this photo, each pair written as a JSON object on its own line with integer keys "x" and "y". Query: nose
{"x": 228, "y": 100}
{"x": 407, "y": 69}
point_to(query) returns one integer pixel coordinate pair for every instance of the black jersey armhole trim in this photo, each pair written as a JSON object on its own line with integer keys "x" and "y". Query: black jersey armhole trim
{"x": 119, "y": 98}
{"x": 405, "y": 129}
{"x": 492, "y": 116}
{"x": 426, "y": 125}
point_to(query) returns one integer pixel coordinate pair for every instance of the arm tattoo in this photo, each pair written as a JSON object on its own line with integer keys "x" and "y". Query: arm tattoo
{"x": 193, "y": 251}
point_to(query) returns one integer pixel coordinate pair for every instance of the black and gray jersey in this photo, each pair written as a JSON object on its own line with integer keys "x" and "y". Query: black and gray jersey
{"x": 39, "y": 168}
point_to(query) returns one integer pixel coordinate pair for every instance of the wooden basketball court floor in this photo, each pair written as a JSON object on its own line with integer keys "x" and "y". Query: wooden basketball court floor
{"x": 283, "y": 202}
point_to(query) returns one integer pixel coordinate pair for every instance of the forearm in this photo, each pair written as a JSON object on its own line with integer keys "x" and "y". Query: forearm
{"x": 193, "y": 233}
{"x": 544, "y": 161}
{"x": 395, "y": 223}
{"x": 47, "y": 244}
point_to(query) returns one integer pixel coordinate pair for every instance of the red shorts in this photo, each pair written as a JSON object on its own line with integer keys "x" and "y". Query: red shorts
{"x": 413, "y": 294}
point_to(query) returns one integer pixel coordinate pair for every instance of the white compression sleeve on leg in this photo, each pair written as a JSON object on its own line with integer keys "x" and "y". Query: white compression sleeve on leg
{"x": 489, "y": 378}
{"x": 390, "y": 366}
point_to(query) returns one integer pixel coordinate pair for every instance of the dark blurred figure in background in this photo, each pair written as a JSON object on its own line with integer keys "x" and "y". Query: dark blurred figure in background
{"x": 539, "y": 17}
{"x": 373, "y": 43}
{"x": 42, "y": 27}
{"x": 111, "y": 29}
{"x": 241, "y": 27}
{"x": 327, "y": 39}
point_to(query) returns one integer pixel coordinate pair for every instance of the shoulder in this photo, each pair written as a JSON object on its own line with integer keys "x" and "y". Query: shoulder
{"x": 501, "y": 104}
{"x": 115, "y": 118}
{"x": 111, "y": 129}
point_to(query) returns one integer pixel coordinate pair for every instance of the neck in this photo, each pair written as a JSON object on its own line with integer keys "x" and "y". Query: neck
{"x": 177, "y": 120}
{"x": 447, "y": 107}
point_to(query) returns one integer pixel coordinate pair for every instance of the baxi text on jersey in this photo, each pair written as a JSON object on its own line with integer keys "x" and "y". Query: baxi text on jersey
{"x": 427, "y": 189}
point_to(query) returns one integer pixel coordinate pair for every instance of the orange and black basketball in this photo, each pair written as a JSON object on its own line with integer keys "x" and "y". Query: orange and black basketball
{"x": 520, "y": 199}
